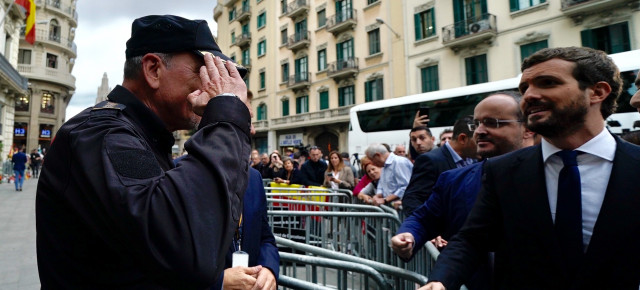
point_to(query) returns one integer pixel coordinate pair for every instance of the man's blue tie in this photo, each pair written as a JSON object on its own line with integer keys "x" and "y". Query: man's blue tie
{"x": 568, "y": 224}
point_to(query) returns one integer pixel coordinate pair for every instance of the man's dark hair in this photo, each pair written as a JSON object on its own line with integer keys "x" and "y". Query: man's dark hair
{"x": 592, "y": 66}
{"x": 344, "y": 155}
{"x": 133, "y": 65}
{"x": 632, "y": 137}
{"x": 420, "y": 128}
{"x": 462, "y": 126}
{"x": 445, "y": 132}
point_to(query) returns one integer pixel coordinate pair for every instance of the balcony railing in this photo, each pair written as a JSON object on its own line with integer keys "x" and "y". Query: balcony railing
{"x": 53, "y": 75}
{"x": 298, "y": 81}
{"x": 243, "y": 39}
{"x": 470, "y": 31}
{"x": 576, "y": 7}
{"x": 56, "y": 5}
{"x": 46, "y": 36}
{"x": 329, "y": 116}
{"x": 296, "y": 8}
{"x": 343, "y": 20}
{"x": 261, "y": 125}
{"x": 298, "y": 40}
{"x": 17, "y": 82}
{"x": 244, "y": 14}
{"x": 343, "y": 68}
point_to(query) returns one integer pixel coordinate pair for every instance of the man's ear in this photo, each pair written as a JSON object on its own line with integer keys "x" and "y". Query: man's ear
{"x": 601, "y": 91}
{"x": 151, "y": 67}
{"x": 462, "y": 138}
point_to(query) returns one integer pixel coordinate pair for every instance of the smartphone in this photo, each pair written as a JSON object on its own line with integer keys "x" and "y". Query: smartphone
{"x": 330, "y": 174}
{"x": 423, "y": 111}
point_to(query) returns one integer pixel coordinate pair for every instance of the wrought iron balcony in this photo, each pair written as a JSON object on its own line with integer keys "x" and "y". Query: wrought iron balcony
{"x": 343, "y": 20}
{"x": 343, "y": 68}
{"x": 297, "y": 8}
{"x": 243, "y": 39}
{"x": 299, "y": 81}
{"x": 298, "y": 40}
{"x": 11, "y": 77}
{"x": 577, "y": 7}
{"x": 469, "y": 31}
{"x": 328, "y": 116}
{"x": 244, "y": 14}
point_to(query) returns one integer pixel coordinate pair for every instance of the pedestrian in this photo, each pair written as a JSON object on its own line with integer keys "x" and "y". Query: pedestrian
{"x": 112, "y": 210}
{"x": 35, "y": 160}
{"x": 19, "y": 160}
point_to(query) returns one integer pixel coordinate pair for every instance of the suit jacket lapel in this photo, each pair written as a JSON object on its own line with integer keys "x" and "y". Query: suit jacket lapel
{"x": 529, "y": 178}
{"x": 621, "y": 192}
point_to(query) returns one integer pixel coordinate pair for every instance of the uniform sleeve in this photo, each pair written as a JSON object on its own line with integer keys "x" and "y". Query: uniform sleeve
{"x": 176, "y": 224}
{"x": 269, "y": 256}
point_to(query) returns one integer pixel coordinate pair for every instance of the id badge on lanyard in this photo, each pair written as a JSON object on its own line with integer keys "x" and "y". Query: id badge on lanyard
{"x": 239, "y": 257}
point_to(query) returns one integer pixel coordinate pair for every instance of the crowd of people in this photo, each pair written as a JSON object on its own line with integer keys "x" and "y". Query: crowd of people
{"x": 528, "y": 192}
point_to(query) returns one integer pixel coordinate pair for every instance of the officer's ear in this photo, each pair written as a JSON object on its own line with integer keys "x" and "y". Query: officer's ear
{"x": 151, "y": 64}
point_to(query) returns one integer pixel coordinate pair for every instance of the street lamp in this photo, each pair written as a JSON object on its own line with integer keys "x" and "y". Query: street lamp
{"x": 379, "y": 20}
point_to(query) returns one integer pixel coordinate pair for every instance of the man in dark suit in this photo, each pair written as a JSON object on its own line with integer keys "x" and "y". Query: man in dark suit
{"x": 428, "y": 166}
{"x": 312, "y": 172}
{"x": 256, "y": 239}
{"x": 564, "y": 214}
{"x": 498, "y": 129}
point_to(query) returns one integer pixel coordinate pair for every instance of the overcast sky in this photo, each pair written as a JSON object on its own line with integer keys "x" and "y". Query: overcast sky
{"x": 103, "y": 29}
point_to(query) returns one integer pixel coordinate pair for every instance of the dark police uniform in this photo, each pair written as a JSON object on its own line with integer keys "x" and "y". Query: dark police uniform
{"x": 112, "y": 211}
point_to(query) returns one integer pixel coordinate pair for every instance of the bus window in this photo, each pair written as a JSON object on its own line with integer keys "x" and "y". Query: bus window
{"x": 628, "y": 89}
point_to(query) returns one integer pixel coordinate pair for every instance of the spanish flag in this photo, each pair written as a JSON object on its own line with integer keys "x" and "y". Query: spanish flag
{"x": 30, "y": 11}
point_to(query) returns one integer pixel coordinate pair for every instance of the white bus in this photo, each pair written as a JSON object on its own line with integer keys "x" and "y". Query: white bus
{"x": 389, "y": 121}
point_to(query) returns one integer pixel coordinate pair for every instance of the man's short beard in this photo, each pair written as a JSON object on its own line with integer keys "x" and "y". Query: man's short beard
{"x": 561, "y": 122}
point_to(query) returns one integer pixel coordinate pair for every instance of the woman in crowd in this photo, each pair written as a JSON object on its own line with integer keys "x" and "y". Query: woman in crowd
{"x": 290, "y": 174}
{"x": 365, "y": 177}
{"x": 372, "y": 173}
{"x": 275, "y": 166}
{"x": 338, "y": 176}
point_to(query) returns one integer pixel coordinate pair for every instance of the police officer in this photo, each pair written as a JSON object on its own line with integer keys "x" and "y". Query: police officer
{"x": 112, "y": 211}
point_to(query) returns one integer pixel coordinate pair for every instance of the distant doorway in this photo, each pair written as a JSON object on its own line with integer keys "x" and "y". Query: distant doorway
{"x": 327, "y": 142}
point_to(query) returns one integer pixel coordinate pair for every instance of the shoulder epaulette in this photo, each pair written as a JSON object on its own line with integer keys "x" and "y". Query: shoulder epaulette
{"x": 109, "y": 106}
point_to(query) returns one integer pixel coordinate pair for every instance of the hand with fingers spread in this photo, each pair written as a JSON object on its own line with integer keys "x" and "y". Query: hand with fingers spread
{"x": 217, "y": 78}
{"x": 420, "y": 120}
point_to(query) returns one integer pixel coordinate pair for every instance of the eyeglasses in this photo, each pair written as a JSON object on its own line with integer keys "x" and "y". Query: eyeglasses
{"x": 490, "y": 123}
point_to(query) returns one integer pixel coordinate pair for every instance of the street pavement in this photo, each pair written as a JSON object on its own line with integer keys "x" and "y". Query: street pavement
{"x": 18, "y": 264}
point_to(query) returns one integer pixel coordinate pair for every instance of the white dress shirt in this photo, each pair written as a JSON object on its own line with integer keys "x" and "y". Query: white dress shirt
{"x": 595, "y": 169}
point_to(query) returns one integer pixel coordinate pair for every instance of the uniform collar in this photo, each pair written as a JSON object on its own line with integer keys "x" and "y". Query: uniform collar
{"x": 153, "y": 127}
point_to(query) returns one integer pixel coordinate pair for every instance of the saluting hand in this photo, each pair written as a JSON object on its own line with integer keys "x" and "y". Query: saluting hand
{"x": 217, "y": 78}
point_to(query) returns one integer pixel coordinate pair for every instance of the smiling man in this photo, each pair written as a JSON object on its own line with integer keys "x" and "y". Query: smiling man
{"x": 497, "y": 128}
{"x": 563, "y": 214}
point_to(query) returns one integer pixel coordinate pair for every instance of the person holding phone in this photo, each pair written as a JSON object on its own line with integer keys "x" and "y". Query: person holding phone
{"x": 338, "y": 176}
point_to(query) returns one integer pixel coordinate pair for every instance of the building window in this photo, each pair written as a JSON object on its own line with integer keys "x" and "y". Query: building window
{"x": 262, "y": 80}
{"x": 233, "y": 37}
{"x": 262, "y": 20}
{"x": 425, "y": 24}
{"x": 283, "y": 6}
{"x": 24, "y": 56}
{"x": 369, "y": 2}
{"x": 344, "y": 50}
{"x": 302, "y": 69}
{"x": 610, "y": 39}
{"x": 374, "y": 90}
{"x": 322, "y": 17}
{"x": 374, "y": 41}
{"x": 324, "y": 100}
{"x": 346, "y": 96}
{"x": 246, "y": 59}
{"x": 283, "y": 36}
{"x": 528, "y": 49}
{"x": 48, "y": 101}
{"x": 262, "y": 112}
{"x": 285, "y": 108}
{"x": 52, "y": 60}
{"x": 429, "y": 76}
{"x": 262, "y": 47}
{"x": 54, "y": 30}
{"x": 476, "y": 69}
{"x": 322, "y": 59}
{"x": 524, "y": 4}
{"x": 22, "y": 103}
{"x": 301, "y": 30}
{"x": 245, "y": 29}
{"x": 232, "y": 14}
{"x": 285, "y": 72}
{"x": 302, "y": 104}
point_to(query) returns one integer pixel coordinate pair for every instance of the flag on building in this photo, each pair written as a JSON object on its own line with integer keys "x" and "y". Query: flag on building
{"x": 30, "y": 10}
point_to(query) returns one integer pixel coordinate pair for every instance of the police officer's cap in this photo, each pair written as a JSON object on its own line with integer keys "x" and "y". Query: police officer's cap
{"x": 169, "y": 33}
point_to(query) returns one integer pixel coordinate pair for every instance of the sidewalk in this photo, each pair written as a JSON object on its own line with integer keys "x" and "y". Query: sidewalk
{"x": 18, "y": 264}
